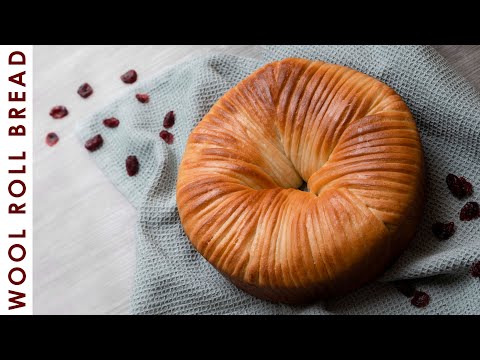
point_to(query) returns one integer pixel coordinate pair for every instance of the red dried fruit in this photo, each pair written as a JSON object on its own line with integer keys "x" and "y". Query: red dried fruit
{"x": 453, "y": 185}
{"x": 85, "y": 90}
{"x": 132, "y": 165}
{"x": 94, "y": 143}
{"x": 129, "y": 77}
{"x": 443, "y": 231}
{"x": 166, "y": 136}
{"x": 470, "y": 211}
{"x": 459, "y": 186}
{"x": 58, "y": 112}
{"x": 420, "y": 299}
{"x": 169, "y": 120}
{"x": 51, "y": 139}
{"x": 111, "y": 122}
{"x": 406, "y": 287}
{"x": 468, "y": 187}
{"x": 143, "y": 98}
{"x": 475, "y": 270}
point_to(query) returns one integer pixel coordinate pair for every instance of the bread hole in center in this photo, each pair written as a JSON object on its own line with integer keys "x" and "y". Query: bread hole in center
{"x": 303, "y": 187}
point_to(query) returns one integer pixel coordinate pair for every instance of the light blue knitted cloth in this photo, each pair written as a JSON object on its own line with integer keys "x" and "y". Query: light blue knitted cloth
{"x": 172, "y": 278}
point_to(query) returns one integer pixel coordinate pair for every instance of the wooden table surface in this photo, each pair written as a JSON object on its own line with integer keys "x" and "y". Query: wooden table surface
{"x": 84, "y": 251}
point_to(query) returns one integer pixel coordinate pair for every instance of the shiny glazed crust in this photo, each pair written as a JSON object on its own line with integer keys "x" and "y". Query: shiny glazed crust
{"x": 354, "y": 142}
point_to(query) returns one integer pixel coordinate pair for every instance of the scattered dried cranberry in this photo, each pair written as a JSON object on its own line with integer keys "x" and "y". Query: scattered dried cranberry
{"x": 452, "y": 183}
{"x": 132, "y": 165}
{"x": 111, "y": 122}
{"x": 85, "y": 90}
{"x": 468, "y": 187}
{"x": 406, "y": 287}
{"x": 470, "y": 211}
{"x": 420, "y": 299}
{"x": 129, "y": 77}
{"x": 459, "y": 186}
{"x": 51, "y": 139}
{"x": 443, "y": 231}
{"x": 166, "y": 136}
{"x": 475, "y": 270}
{"x": 94, "y": 143}
{"x": 169, "y": 120}
{"x": 143, "y": 98}
{"x": 58, "y": 112}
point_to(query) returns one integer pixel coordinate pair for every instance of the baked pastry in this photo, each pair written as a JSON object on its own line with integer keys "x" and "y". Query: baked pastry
{"x": 353, "y": 141}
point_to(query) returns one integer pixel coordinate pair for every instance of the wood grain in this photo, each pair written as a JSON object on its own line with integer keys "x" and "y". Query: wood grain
{"x": 84, "y": 249}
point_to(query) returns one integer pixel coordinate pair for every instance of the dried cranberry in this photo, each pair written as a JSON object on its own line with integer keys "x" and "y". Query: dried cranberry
{"x": 94, "y": 143}
{"x": 143, "y": 98}
{"x": 459, "y": 186}
{"x": 58, "y": 112}
{"x": 51, "y": 139}
{"x": 169, "y": 120}
{"x": 470, "y": 211}
{"x": 420, "y": 299}
{"x": 453, "y": 185}
{"x": 85, "y": 90}
{"x": 468, "y": 187}
{"x": 406, "y": 287}
{"x": 129, "y": 77}
{"x": 475, "y": 270}
{"x": 132, "y": 165}
{"x": 166, "y": 136}
{"x": 443, "y": 231}
{"x": 111, "y": 122}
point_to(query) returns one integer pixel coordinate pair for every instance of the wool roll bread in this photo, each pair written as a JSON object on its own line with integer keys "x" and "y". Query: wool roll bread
{"x": 348, "y": 136}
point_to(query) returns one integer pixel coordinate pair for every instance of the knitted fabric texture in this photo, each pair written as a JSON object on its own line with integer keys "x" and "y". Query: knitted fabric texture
{"x": 173, "y": 278}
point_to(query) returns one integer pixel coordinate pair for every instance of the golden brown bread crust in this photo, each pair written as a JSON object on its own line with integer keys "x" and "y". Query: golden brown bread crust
{"x": 351, "y": 138}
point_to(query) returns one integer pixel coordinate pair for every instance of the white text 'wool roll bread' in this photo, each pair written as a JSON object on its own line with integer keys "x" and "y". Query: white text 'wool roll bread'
{"x": 346, "y": 134}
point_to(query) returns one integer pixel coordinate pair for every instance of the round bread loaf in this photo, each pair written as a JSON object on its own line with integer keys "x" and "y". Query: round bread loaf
{"x": 354, "y": 142}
